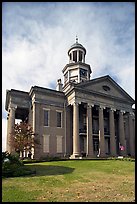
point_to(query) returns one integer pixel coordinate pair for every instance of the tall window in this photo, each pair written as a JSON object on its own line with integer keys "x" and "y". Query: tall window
{"x": 75, "y": 56}
{"x": 80, "y": 56}
{"x": 59, "y": 119}
{"x": 46, "y": 118}
{"x": 95, "y": 125}
{"x": 46, "y": 143}
{"x": 106, "y": 125}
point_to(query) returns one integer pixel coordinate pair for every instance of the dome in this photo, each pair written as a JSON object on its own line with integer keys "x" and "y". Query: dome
{"x": 76, "y": 45}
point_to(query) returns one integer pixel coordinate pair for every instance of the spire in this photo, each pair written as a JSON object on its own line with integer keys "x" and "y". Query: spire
{"x": 76, "y": 39}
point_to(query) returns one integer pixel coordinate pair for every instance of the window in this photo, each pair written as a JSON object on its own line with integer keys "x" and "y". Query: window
{"x": 46, "y": 118}
{"x": 75, "y": 56}
{"x": 83, "y": 73}
{"x": 95, "y": 126}
{"x": 59, "y": 144}
{"x": 66, "y": 76}
{"x": 106, "y": 126}
{"x": 46, "y": 143}
{"x": 80, "y": 56}
{"x": 106, "y": 88}
{"x": 59, "y": 119}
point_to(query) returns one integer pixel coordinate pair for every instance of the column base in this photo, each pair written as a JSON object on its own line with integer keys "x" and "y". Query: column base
{"x": 75, "y": 156}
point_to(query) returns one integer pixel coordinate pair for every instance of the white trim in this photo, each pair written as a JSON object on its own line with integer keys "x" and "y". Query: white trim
{"x": 46, "y": 109}
{"x": 59, "y": 111}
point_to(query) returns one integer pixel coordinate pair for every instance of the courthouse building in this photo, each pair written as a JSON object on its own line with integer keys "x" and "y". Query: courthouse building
{"x": 82, "y": 117}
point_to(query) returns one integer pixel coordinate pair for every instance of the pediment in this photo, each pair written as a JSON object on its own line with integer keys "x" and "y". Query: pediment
{"x": 106, "y": 86}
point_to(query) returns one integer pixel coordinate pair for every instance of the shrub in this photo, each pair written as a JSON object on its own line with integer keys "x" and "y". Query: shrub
{"x": 12, "y": 166}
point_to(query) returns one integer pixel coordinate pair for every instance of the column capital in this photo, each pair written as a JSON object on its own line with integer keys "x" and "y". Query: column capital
{"x": 13, "y": 107}
{"x": 89, "y": 105}
{"x": 102, "y": 107}
{"x": 112, "y": 109}
{"x": 122, "y": 111}
{"x": 75, "y": 103}
{"x": 131, "y": 113}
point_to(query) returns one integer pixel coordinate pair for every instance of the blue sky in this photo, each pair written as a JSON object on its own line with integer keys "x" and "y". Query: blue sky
{"x": 37, "y": 35}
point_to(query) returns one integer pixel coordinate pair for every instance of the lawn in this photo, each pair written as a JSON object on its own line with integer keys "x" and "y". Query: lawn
{"x": 74, "y": 180}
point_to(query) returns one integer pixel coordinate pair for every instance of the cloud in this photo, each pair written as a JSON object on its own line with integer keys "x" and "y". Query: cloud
{"x": 36, "y": 37}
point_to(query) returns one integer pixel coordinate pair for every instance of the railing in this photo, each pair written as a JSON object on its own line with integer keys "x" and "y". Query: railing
{"x": 94, "y": 131}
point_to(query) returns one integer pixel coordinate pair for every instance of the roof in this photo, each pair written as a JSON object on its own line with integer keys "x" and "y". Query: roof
{"x": 91, "y": 82}
{"x": 76, "y": 45}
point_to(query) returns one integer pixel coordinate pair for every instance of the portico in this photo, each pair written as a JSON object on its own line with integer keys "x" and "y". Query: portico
{"x": 101, "y": 133}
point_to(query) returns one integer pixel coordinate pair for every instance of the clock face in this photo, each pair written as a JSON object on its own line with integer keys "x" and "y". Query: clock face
{"x": 83, "y": 73}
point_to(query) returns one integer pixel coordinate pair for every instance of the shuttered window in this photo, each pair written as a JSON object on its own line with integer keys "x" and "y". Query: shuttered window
{"x": 46, "y": 143}
{"x": 59, "y": 144}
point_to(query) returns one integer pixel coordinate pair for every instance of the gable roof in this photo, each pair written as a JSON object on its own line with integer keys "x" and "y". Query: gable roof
{"x": 106, "y": 86}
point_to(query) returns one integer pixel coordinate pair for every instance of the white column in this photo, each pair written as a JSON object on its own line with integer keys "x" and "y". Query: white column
{"x": 77, "y": 55}
{"x": 90, "y": 152}
{"x": 78, "y": 75}
{"x": 112, "y": 133}
{"x": 65, "y": 148}
{"x": 76, "y": 143}
{"x": 131, "y": 134}
{"x": 11, "y": 123}
{"x": 73, "y": 56}
{"x": 7, "y": 144}
{"x": 83, "y": 57}
{"x": 121, "y": 133}
{"x": 36, "y": 128}
{"x": 101, "y": 133}
{"x": 70, "y": 60}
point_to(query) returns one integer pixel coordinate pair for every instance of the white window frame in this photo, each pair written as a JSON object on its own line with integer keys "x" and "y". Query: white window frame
{"x": 46, "y": 142}
{"x": 46, "y": 109}
{"x": 59, "y": 111}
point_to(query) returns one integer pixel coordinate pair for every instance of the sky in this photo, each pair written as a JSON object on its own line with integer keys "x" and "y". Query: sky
{"x": 37, "y": 35}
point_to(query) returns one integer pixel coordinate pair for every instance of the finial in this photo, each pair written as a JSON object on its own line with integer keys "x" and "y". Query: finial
{"x": 76, "y": 39}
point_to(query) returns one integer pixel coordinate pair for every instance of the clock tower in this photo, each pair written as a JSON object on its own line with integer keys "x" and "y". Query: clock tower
{"x": 77, "y": 70}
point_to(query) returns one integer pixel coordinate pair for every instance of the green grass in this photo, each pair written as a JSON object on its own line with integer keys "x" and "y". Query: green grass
{"x": 73, "y": 180}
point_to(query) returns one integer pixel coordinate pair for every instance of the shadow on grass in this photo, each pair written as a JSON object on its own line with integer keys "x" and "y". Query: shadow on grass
{"x": 41, "y": 170}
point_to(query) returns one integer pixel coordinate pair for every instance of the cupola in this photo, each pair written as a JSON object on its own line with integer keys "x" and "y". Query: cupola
{"x": 76, "y": 52}
{"x": 76, "y": 71}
